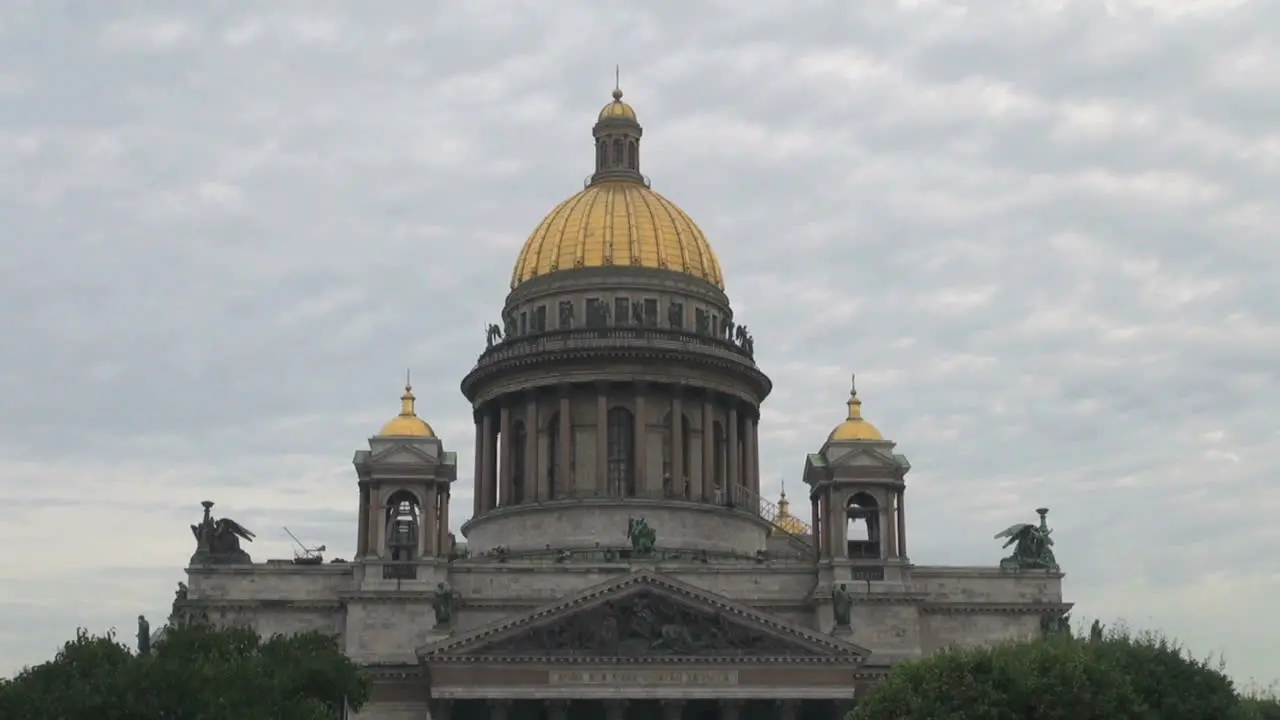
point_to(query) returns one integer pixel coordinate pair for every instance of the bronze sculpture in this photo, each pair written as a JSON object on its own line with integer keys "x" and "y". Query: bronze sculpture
{"x": 144, "y": 635}
{"x": 841, "y": 605}
{"x": 1033, "y": 548}
{"x": 218, "y": 541}
{"x": 442, "y": 604}
{"x": 641, "y": 536}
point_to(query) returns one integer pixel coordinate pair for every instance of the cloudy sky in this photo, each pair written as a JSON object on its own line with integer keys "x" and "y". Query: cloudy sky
{"x": 1043, "y": 234}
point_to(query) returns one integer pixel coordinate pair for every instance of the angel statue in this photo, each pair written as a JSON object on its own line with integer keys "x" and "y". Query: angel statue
{"x": 1032, "y": 546}
{"x": 218, "y": 541}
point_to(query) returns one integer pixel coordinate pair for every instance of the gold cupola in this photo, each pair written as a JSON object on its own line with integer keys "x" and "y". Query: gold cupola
{"x": 407, "y": 423}
{"x": 785, "y": 521}
{"x": 617, "y": 220}
{"x": 854, "y": 427}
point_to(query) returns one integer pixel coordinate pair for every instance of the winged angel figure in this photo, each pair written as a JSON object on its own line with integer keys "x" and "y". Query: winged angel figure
{"x": 220, "y": 539}
{"x": 1032, "y": 546}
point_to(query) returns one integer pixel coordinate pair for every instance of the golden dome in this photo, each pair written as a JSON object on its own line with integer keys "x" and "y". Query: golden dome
{"x": 407, "y": 423}
{"x": 617, "y": 108}
{"x": 786, "y": 522}
{"x": 854, "y": 427}
{"x": 619, "y": 223}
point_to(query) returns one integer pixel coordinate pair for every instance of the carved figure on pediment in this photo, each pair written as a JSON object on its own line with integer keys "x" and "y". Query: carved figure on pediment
{"x": 144, "y": 635}
{"x": 749, "y": 344}
{"x": 727, "y": 329}
{"x": 566, "y": 314}
{"x": 180, "y": 594}
{"x": 509, "y": 326}
{"x": 641, "y": 536}
{"x": 218, "y": 541}
{"x": 841, "y": 605}
{"x": 442, "y": 604}
{"x": 492, "y": 335}
{"x": 1055, "y": 623}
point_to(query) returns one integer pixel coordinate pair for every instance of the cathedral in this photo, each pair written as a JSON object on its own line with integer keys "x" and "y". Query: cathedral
{"x": 619, "y": 561}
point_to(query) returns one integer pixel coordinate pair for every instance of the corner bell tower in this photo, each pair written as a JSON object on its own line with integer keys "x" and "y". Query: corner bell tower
{"x": 404, "y": 478}
{"x": 856, "y": 488}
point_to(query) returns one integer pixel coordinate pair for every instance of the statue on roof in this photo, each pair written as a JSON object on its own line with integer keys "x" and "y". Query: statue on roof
{"x": 841, "y": 605}
{"x": 1032, "y": 545}
{"x": 218, "y": 541}
{"x": 144, "y": 635}
{"x": 641, "y": 536}
{"x": 442, "y": 604}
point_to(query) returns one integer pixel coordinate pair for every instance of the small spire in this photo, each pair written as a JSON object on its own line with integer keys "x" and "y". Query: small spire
{"x": 855, "y": 405}
{"x": 617, "y": 82}
{"x": 784, "y": 489}
{"x": 406, "y": 400}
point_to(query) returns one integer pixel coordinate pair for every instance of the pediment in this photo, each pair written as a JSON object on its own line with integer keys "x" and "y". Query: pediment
{"x": 402, "y": 455}
{"x": 644, "y": 617}
{"x": 866, "y": 456}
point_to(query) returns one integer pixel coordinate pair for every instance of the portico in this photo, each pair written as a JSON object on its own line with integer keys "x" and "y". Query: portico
{"x": 642, "y": 646}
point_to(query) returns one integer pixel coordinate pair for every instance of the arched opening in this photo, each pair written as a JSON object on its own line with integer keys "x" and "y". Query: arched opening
{"x": 862, "y": 526}
{"x": 675, "y": 486}
{"x": 622, "y": 481}
{"x": 403, "y": 525}
{"x": 631, "y": 156}
{"x": 617, "y": 152}
{"x": 720, "y": 461}
{"x": 518, "y": 440}
{"x": 602, "y": 154}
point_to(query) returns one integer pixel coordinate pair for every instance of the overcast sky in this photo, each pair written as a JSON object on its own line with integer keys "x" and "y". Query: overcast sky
{"x": 1042, "y": 233}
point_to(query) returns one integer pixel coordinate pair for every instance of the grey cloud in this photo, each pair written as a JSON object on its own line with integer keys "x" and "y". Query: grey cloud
{"x": 1042, "y": 239}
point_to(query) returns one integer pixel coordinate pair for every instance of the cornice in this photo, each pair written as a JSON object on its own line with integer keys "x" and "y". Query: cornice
{"x": 989, "y": 608}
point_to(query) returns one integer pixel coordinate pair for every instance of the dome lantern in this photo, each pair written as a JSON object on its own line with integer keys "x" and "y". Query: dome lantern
{"x": 854, "y": 427}
{"x": 617, "y": 134}
{"x": 407, "y": 423}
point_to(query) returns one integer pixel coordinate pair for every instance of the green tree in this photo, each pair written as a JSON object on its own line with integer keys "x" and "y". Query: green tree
{"x": 1114, "y": 677}
{"x": 195, "y": 672}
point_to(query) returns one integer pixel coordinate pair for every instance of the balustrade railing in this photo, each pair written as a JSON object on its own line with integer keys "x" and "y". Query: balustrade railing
{"x": 615, "y": 337}
{"x": 742, "y": 497}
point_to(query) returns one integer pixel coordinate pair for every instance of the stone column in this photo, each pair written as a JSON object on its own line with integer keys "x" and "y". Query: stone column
{"x": 640, "y": 447}
{"x": 786, "y": 709}
{"x": 362, "y": 523}
{"x": 730, "y": 709}
{"x": 499, "y": 709}
{"x": 706, "y": 483}
{"x": 477, "y": 471}
{"x": 902, "y": 524}
{"x": 442, "y": 535}
{"x": 556, "y": 710}
{"x": 615, "y": 709}
{"x": 430, "y": 530}
{"x": 677, "y": 445}
{"x": 674, "y": 710}
{"x": 753, "y": 453}
{"x": 818, "y": 544}
{"x": 488, "y": 465}
{"x": 602, "y": 440}
{"x": 564, "y": 457}
{"x": 836, "y": 522}
{"x": 378, "y": 516}
{"x": 891, "y": 530}
{"x": 504, "y": 463}
{"x": 735, "y": 454}
{"x": 532, "y": 473}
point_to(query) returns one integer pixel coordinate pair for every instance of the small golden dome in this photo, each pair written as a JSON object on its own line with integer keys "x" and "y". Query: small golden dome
{"x": 407, "y": 423}
{"x": 854, "y": 427}
{"x": 619, "y": 223}
{"x": 787, "y": 522}
{"x": 618, "y": 109}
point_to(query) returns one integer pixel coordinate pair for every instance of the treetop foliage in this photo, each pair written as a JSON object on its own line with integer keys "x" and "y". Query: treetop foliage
{"x": 195, "y": 672}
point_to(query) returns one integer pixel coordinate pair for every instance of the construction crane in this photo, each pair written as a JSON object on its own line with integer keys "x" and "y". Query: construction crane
{"x": 305, "y": 555}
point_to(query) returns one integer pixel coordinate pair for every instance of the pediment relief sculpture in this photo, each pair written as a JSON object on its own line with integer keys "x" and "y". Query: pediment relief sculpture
{"x": 646, "y": 623}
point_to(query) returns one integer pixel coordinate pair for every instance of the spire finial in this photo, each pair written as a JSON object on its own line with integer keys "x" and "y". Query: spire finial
{"x": 406, "y": 400}
{"x": 408, "y": 380}
{"x": 784, "y": 488}
{"x": 617, "y": 83}
{"x": 855, "y": 404}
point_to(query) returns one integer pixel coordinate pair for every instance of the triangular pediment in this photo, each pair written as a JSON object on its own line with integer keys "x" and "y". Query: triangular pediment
{"x": 642, "y": 617}
{"x": 861, "y": 456}
{"x": 402, "y": 455}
